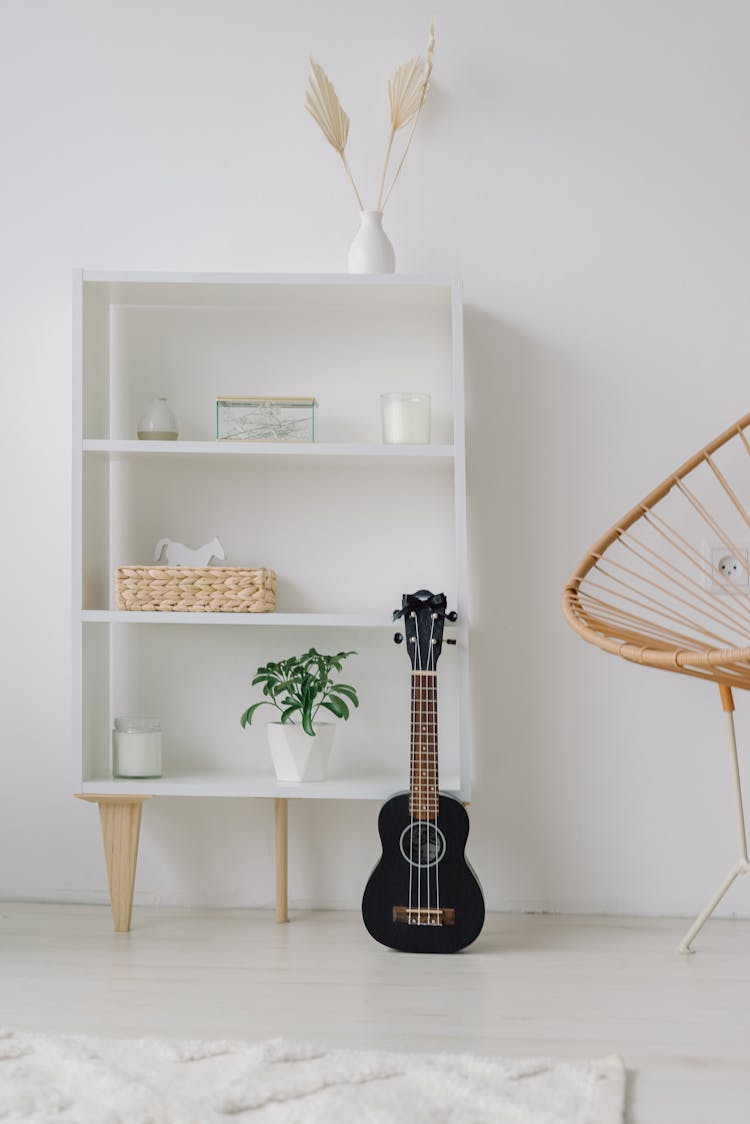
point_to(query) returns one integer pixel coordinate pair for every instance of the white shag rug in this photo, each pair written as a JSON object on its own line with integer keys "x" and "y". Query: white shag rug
{"x": 45, "y": 1079}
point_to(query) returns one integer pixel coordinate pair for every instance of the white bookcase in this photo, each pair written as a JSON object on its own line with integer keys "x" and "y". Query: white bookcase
{"x": 349, "y": 524}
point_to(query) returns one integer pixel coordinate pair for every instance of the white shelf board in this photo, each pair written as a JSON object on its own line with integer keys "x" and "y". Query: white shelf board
{"x": 246, "y": 785}
{"x": 353, "y": 280}
{"x": 269, "y": 620}
{"x": 314, "y": 452}
{"x": 263, "y": 289}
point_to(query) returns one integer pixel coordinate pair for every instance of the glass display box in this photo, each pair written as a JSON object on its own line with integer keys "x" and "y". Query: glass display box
{"x": 265, "y": 419}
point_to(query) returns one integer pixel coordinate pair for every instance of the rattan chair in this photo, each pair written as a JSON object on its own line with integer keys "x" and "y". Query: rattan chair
{"x": 669, "y": 587}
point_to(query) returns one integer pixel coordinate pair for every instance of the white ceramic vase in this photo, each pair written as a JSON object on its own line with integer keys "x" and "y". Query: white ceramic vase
{"x": 371, "y": 250}
{"x": 295, "y": 755}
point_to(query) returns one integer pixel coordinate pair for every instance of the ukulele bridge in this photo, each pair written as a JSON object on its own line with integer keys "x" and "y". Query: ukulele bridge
{"x": 411, "y": 915}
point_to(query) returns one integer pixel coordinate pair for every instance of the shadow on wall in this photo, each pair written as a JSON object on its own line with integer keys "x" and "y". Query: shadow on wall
{"x": 530, "y": 447}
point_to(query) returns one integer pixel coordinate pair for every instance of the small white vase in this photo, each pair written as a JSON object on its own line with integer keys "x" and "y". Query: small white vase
{"x": 295, "y": 755}
{"x": 158, "y": 423}
{"x": 371, "y": 250}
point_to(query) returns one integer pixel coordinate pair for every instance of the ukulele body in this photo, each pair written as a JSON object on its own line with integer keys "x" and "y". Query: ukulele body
{"x": 423, "y": 895}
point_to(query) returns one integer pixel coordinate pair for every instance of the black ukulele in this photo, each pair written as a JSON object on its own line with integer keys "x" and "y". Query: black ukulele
{"x": 423, "y": 896}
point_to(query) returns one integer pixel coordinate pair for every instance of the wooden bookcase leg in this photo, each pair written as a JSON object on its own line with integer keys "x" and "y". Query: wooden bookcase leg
{"x": 121, "y": 824}
{"x": 281, "y": 832}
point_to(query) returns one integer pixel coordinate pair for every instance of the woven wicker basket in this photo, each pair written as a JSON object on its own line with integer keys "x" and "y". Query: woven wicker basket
{"x": 205, "y": 589}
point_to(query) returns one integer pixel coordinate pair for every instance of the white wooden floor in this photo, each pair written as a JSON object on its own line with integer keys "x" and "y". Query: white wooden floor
{"x": 566, "y": 986}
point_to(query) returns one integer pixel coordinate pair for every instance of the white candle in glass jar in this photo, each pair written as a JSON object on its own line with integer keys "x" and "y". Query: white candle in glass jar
{"x": 136, "y": 747}
{"x": 406, "y": 419}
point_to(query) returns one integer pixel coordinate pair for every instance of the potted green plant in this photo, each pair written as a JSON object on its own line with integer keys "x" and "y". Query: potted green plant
{"x": 298, "y": 687}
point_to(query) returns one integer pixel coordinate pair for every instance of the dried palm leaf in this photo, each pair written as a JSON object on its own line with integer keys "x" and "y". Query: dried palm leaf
{"x": 407, "y": 90}
{"x": 324, "y": 106}
{"x": 322, "y": 103}
{"x": 405, "y": 93}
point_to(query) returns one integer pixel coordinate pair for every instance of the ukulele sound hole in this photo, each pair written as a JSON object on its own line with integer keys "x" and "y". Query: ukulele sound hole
{"x": 422, "y": 844}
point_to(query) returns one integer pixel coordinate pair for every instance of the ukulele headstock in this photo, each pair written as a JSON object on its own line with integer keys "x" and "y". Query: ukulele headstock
{"x": 424, "y": 615}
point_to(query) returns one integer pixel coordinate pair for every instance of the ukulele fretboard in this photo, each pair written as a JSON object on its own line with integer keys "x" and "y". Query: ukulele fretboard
{"x": 423, "y": 776}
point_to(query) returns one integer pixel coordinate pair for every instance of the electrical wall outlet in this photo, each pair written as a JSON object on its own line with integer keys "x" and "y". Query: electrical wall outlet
{"x": 729, "y": 566}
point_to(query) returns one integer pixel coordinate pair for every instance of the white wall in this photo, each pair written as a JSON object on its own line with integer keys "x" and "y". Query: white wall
{"x": 584, "y": 167}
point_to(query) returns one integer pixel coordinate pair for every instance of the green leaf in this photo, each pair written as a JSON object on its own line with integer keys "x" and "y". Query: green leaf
{"x": 336, "y": 706}
{"x": 307, "y": 725}
{"x": 308, "y": 698}
{"x": 286, "y": 715}
{"x": 349, "y": 692}
{"x": 247, "y": 717}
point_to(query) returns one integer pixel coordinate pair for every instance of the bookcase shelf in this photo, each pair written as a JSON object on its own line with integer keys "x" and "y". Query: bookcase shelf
{"x": 347, "y": 522}
{"x": 340, "y": 453}
{"x": 367, "y": 786}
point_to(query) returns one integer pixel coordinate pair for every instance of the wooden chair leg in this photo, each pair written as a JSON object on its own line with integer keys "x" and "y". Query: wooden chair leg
{"x": 121, "y": 824}
{"x": 281, "y": 834}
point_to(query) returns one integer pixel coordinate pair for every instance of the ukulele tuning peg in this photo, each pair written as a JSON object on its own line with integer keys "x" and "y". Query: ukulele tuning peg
{"x": 398, "y": 638}
{"x": 450, "y": 641}
{"x": 452, "y": 616}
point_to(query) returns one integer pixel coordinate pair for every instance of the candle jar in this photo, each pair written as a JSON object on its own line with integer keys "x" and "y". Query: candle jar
{"x": 136, "y": 748}
{"x": 406, "y": 419}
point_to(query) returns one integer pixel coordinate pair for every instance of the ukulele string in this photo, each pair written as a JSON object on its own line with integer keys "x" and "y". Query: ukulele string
{"x": 428, "y": 735}
{"x": 412, "y": 793}
{"x": 434, "y": 774}
{"x": 419, "y": 717}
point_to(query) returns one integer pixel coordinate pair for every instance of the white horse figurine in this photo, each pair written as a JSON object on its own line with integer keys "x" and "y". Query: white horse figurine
{"x": 180, "y": 555}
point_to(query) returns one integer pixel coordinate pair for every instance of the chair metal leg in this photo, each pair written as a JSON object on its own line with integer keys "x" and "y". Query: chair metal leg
{"x": 742, "y": 865}
{"x": 739, "y": 868}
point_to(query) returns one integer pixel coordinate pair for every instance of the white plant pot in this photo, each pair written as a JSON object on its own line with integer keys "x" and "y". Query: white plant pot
{"x": 295, "y": 755}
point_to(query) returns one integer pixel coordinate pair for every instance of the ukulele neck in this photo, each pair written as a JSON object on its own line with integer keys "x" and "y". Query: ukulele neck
{"x": 423, "y": 776}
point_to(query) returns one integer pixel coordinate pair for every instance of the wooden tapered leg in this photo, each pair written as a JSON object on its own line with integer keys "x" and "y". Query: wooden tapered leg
{"x": 121, "y": 824}
{"x": 281, "y": 832}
